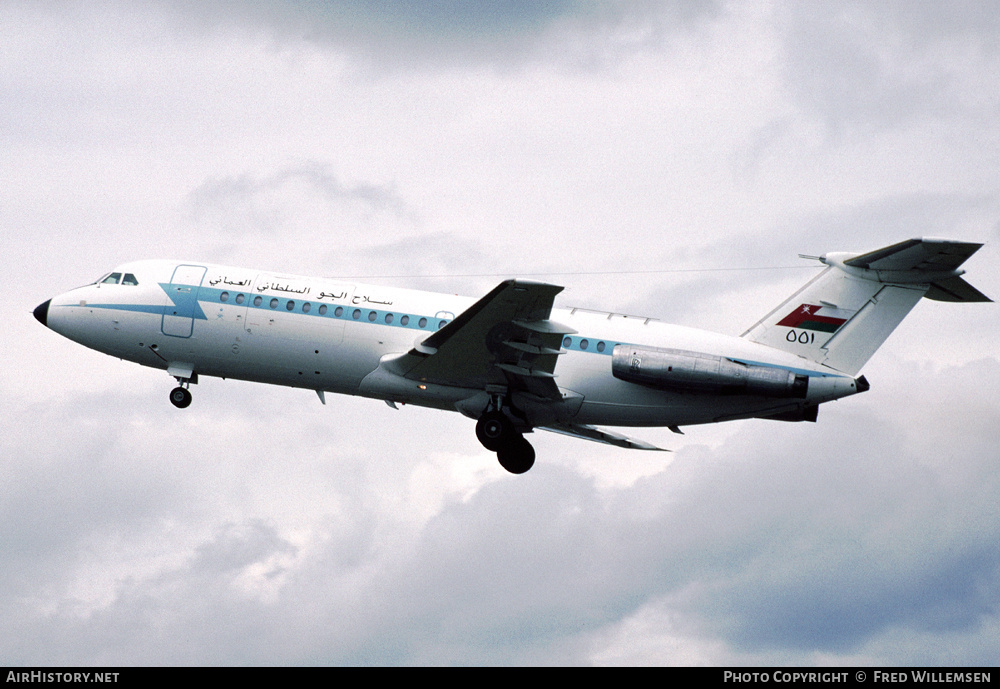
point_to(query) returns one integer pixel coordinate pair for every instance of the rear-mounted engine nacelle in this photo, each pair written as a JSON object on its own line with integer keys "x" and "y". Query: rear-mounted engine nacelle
{"x": 678, "y": 369}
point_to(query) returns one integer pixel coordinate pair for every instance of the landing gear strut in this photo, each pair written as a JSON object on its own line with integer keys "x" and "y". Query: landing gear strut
{"x": 498, "y": 434}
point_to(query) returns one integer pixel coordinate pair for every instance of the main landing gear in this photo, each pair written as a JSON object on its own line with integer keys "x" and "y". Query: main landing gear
{"x": 497, "y": 434}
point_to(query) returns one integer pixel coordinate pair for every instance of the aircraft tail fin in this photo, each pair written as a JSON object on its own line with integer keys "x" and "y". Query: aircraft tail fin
{"x": 840, "y": 317}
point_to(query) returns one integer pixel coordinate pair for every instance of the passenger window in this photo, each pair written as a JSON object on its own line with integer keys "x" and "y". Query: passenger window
{"x": 258, "y": 300}
{"x": 422, "y": 322}
{"x": 240, "y": 298}
{"x": 129, "y": 279}
{"x": 274, "y": 304}
{"x": 404, "y": 320}
{"x": 322, "y": 310}
{"x": 112, "y": 279}
{"x": 306, "y": 307}
{"x": 224, "y": 296}
{"x": 372, "y": 316}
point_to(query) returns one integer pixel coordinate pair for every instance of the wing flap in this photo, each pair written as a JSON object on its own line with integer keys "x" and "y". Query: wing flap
{"x": 601, "y": 435}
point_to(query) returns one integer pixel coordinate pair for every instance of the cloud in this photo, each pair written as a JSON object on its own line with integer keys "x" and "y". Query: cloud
{"x": 261, "y": 527}
{"x": 499, "y": 33}
{"x": 302, "y": 205}
{"x": 858, "y": 65}
{"x": 784, "y": 541}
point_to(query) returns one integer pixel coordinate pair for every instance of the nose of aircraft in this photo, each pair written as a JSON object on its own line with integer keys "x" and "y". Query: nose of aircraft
{"x": 42, "y": 312}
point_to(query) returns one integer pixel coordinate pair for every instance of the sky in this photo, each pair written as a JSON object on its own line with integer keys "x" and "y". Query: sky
{"x": 668, "y": 159}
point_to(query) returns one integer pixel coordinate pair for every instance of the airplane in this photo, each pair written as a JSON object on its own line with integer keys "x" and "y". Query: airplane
{"x": 510, "y": 360}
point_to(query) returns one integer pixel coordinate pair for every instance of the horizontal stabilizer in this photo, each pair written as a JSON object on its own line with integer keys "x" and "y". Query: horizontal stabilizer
{"x": 933, "y": 262}
{"x": 928, "y": 255}
{"x": 954, "y": 289}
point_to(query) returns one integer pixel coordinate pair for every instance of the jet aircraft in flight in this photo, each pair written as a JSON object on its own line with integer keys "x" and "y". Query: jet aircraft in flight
{"x": 510, "y": 360}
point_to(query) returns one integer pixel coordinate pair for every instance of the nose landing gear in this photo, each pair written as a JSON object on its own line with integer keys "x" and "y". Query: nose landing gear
{"x": 180, "y": 397}
{"x": 498, "y": 434}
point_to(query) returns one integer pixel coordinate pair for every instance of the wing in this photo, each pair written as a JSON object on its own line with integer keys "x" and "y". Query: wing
{"x": 504, "y": 339}
{"x": 600, "y": 435}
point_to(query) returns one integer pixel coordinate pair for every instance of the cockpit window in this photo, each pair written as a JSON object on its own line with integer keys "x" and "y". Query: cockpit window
{"x": 118, "y": 279}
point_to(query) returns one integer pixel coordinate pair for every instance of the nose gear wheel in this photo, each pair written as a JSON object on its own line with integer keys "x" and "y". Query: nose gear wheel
{"x": 180, "y": 397}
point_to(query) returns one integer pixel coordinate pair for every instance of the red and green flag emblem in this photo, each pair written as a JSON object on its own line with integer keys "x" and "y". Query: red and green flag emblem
{"x": 805, "y": 317}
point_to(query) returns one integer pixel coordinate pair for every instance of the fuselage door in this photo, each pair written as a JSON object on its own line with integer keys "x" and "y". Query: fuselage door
{"x": 182, "y": 306}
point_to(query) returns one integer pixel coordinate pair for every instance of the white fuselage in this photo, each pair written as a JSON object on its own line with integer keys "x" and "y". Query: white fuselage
{"x": 330, "y": 335}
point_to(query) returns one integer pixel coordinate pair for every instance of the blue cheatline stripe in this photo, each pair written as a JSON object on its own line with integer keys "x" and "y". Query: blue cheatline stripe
{"x": 138, "y": 308}
{"x": 343, "y": 312}
{"x": 799, "y": 371}
{"x": 351, "y": 312}
{"x": 183, "y": 300}
{"x": 347, "y": 313}
{"x": 588, "y": 345}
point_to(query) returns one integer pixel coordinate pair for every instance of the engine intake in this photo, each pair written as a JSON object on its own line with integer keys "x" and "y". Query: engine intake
{"x": 678, "y": 369}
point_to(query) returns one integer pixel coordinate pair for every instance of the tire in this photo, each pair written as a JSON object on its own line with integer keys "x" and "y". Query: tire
{"x": 517, "y": 456}
{"x": 180, "y": 398}
{"x": 493, "y": 430}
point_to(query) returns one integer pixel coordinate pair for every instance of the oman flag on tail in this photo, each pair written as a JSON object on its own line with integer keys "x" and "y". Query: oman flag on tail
{"x": 807, "y": 317}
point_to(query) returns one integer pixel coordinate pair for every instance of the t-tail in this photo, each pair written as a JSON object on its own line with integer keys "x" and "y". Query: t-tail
{"x": 845, "y": 313}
